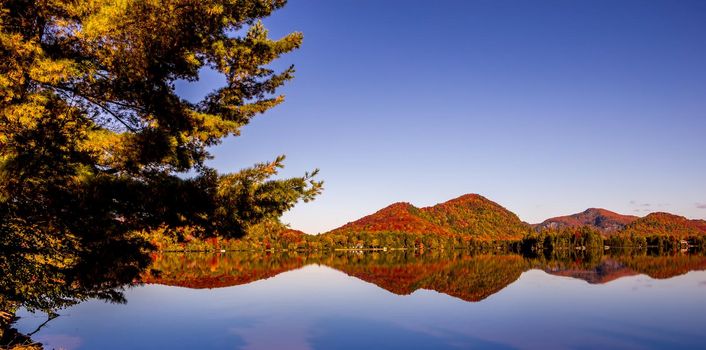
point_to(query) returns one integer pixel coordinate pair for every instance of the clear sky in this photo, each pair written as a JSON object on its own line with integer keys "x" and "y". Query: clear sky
{"x": 546, "y": 107}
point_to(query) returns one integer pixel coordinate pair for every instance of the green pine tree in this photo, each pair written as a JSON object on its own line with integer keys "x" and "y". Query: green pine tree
{"x": 94, "y": 140}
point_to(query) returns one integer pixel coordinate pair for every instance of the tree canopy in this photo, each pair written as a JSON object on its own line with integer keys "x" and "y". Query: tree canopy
{"x": 94, "y": 140}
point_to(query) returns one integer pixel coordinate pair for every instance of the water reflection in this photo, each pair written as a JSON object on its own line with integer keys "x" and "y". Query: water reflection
{"x": 319, "y": 307}
{"x": 50, "y": 282}
{"x": 208, "y": 270}
{"x": 461, "y": 274}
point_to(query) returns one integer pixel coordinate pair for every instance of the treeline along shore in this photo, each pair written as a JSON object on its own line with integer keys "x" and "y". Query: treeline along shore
{"x": 467, "y": 222}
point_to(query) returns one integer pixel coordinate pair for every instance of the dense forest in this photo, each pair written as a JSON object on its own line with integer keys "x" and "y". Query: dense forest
{"x": 467, "y": 217}
{"x": 277, "y": 237}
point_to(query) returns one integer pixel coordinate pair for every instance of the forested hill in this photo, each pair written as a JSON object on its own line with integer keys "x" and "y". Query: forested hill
{"x": 600, "y": 219}
{"x": 395, "y": 218}
{"x": 666, "y": 224}
{"x": 467, "y": 221}
{"x": 474, "y": 217}
{"x": 470, "y": 216}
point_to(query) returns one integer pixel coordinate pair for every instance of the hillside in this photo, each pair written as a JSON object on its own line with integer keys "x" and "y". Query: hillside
{"x": 475, "y": 216}
{"x": 602, "y": 220}
{"x": 470, "y": 220}
{"x": 396, "y": 218}
{"x": 469, "y": 216}
{"x": 665, "y": 224}
{"x": 700, "y": 224}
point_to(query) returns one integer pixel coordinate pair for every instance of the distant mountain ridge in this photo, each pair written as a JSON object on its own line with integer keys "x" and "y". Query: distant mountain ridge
{"x": 600, "y": 219}
{"x": 470, "y": 216}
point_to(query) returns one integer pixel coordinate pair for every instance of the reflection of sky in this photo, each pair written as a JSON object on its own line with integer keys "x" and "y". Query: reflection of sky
{"x": 317, "y": 307}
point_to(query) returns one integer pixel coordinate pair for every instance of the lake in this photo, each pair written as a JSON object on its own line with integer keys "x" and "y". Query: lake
{"x": 392, "y": 300}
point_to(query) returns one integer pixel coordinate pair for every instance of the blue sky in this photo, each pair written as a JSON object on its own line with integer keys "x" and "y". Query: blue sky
{"x": 546, "y": 107}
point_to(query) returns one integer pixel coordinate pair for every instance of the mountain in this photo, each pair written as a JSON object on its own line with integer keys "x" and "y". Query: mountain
{"x": 602, "y": 220}
{"x": 700, "y": 224}
{"x": 475, "y": 216}
{"x": 468, "y": 216}
{"x": 396, "y": 218}
{"x": 665, "y": 224}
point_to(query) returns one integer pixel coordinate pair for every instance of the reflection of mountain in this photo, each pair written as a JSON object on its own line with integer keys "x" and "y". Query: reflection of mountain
{"x": 661, "y": 267}
{"x": 470, "y": 215}
{"x": 478, "y": 277}
{"x": 604, "y": 271}
{"x": 600, "y": 219}
{"x": 471, "y": 278}
{"x": 204, "y": 270}
{"x": 398, "y": 272}
{"x": 612, "y": 268}
{"x": 458, "y": 274}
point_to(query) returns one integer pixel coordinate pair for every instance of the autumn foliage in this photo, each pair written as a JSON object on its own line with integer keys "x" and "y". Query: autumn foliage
{"x": 467, "y": 217}
{"x": 470, "y": 277}
{"x": 665, "y": 224}
{"x": 603, "y": 220}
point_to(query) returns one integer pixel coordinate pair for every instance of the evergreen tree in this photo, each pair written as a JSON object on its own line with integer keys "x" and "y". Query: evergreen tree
{"x": 94, "y": 140}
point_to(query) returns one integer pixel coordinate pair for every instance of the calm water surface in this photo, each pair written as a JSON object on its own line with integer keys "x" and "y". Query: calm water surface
{"x": 394, "y": 300}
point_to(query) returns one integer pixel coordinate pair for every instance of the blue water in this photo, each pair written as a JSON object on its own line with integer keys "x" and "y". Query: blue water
{"x": 319, "y": 307}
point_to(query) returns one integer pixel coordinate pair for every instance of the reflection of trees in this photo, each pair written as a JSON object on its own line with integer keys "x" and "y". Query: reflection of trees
{"x": 455, "y": 273}
{"x": 400, "y": 272}
{"x": 664, "y": 266}
{"x": 469, "y": 277}
{"x": 597, "y": 268}
{"x": 478, "y": 277}
{"x": 207, "y": 270}
{"x": 48, "y": 283}
{"x": 44, "y": 283}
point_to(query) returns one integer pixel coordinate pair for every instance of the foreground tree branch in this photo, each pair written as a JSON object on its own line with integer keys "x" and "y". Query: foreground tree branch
{"x": 68, "y": 179}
